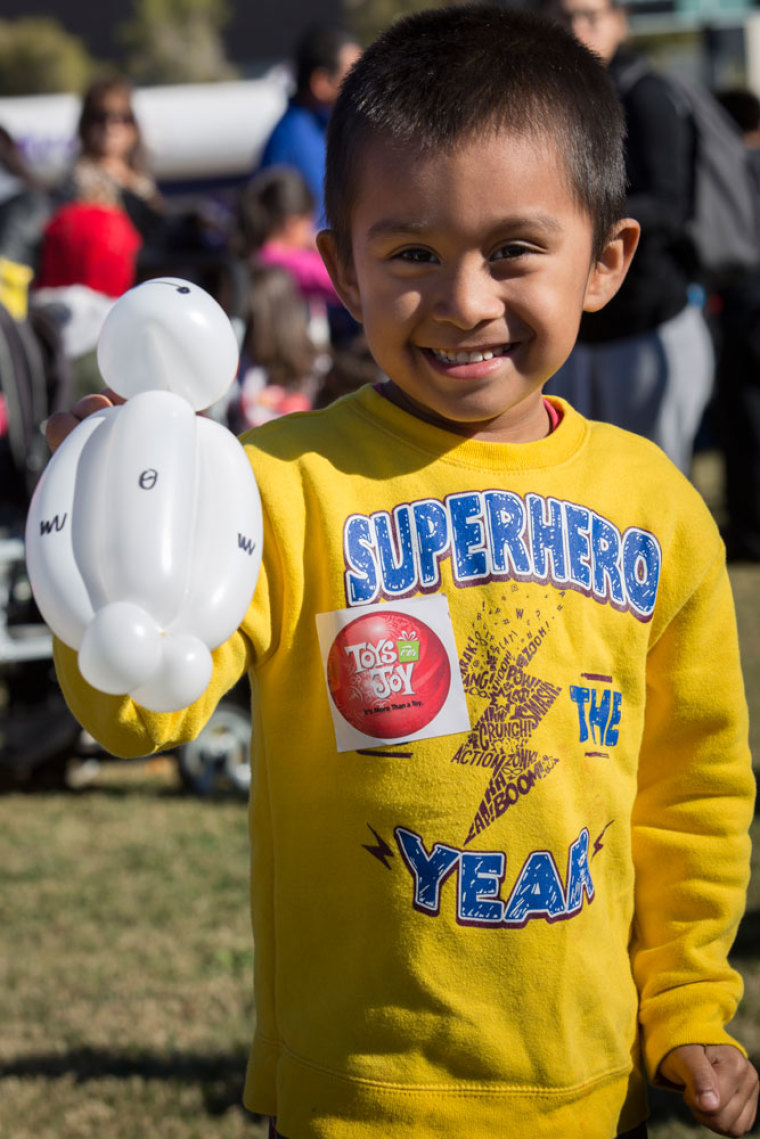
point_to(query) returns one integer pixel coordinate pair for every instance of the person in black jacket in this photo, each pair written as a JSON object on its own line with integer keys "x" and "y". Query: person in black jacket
{"x": 737, "y": 394}
{"x": 645, "y": 362}
{"x": 25, "y": 205}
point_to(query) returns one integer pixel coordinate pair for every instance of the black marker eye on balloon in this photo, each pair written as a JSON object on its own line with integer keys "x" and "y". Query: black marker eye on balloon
{"x": 179, "y": 288}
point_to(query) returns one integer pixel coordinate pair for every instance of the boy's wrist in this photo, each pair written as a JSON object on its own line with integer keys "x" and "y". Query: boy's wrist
{"x": 657, "y": 1052}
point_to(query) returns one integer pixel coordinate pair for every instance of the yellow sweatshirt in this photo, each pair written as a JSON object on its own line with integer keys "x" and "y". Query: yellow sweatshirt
{"x": 500, "y": 930}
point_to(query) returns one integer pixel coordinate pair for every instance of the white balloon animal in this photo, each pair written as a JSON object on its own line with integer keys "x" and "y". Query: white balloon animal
{"x": 144, "y": 534}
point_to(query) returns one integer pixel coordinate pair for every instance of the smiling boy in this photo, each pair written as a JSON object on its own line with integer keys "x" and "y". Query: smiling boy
{"x": 468, "y": 271}
{"x": 501, "y": 785}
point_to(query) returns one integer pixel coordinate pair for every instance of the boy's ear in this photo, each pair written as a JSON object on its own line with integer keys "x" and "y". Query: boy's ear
{"x": 341, "y": 273}
{"x": 608, "y": 273}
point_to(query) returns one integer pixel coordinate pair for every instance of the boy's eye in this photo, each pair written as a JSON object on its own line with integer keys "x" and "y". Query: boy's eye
{"x": 416, "y": 255}
{"x": 511, "y": 250}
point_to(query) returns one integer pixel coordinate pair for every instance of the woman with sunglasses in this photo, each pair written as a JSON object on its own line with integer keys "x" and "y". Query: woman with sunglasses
{"x": 108, "y": 215}
{"x": 111, "y": 168}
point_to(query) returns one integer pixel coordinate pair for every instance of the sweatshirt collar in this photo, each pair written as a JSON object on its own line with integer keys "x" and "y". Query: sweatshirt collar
{"x": 558, "y": 447}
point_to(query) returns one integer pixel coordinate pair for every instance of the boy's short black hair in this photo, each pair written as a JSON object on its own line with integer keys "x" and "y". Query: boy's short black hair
{"x": 440, "y": 76}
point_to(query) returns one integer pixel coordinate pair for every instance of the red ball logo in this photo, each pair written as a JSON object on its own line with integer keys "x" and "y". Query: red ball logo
{"x": 388, "y": 674}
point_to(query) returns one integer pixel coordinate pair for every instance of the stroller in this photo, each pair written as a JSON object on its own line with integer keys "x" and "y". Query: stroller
{"x": 38, "y": 735}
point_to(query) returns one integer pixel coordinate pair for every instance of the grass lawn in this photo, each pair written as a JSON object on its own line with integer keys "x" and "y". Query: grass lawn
{"x": 125, "y": 955}
{"x": 125, "y": 958}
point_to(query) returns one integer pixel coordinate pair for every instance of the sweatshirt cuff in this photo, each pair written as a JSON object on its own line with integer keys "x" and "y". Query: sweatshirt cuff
{"x": 679, "y": 1027}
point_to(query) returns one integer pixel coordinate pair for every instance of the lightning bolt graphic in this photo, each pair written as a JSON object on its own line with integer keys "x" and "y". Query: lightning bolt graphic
{"x": 382, "y": 851}
{"x": 517, "y": 699}
{"x": 598, "y": 844}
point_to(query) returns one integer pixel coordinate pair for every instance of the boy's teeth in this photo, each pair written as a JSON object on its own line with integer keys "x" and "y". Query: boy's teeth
{"x": 469, "y": 357}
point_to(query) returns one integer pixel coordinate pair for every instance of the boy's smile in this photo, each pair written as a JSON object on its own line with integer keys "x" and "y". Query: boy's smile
{"x": 470, "y": 271}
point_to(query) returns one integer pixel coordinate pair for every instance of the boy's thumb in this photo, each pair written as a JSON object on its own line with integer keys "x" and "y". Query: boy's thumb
{"x": 690, "y": 1066}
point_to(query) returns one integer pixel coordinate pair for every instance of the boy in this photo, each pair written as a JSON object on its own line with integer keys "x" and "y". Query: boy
{"x": 501, "y": 786}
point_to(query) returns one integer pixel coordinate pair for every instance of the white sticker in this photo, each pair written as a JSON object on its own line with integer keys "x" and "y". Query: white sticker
{"x": 392, "y": 672}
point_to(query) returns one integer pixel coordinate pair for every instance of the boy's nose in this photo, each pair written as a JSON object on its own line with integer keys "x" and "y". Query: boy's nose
{"x": 469, "y": 295}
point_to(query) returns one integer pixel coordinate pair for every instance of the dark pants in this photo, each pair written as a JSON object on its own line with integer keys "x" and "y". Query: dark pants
{"x": 737, "y": 397}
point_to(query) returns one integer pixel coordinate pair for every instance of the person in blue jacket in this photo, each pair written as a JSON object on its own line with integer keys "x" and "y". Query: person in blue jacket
{"x": 323, "y": 56}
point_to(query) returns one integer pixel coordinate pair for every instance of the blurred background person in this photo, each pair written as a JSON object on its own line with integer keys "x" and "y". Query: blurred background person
{"x": 323, "y": 56}
{"x": 34, "y": 375}
{"x": 111, "y": 168}
{"x": 280, "y": 367}
{"x": 88, "y": 258}
{"x": 25, "y": 207}
{"x": 737, "y": 389}
{"x": 277, "y": 226}
{"x": 352, "y": 366}
{"x": 89, "y": 244}
{"x": 646, "y": 361}
{"x": 109, "y": 213}
{"x": 108, "y": 205}
{"x": 743, "y": 106}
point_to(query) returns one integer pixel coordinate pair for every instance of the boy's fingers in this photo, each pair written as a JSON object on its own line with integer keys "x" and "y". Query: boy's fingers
{"x": 744, "y": 1081}
{"x": 689, "y": 1067}
{"x": 58, "y": 426}
{"x": 62, "y": 423}
{"x": 746, "y": 1120}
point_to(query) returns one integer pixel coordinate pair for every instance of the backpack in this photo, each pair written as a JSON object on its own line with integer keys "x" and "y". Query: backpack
{"x": 724, "y": 223}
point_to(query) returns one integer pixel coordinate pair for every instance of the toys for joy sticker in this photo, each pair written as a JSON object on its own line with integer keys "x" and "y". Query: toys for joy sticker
{"x": 392, "y": 672}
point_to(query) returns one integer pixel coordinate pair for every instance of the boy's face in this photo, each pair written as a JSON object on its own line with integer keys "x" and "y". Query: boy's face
{"x": 470, "y": 272}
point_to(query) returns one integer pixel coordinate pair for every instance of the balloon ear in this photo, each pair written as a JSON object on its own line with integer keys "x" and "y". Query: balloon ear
{"x": 608, "y": 272}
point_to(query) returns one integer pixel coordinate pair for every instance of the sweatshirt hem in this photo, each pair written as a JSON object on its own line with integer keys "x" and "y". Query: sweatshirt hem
{"x": 319, "y": 1102}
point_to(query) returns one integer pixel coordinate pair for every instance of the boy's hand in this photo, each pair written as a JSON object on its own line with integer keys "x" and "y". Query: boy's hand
{"x": 62, "y": 423}
{"x": 718, "y": 1084}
